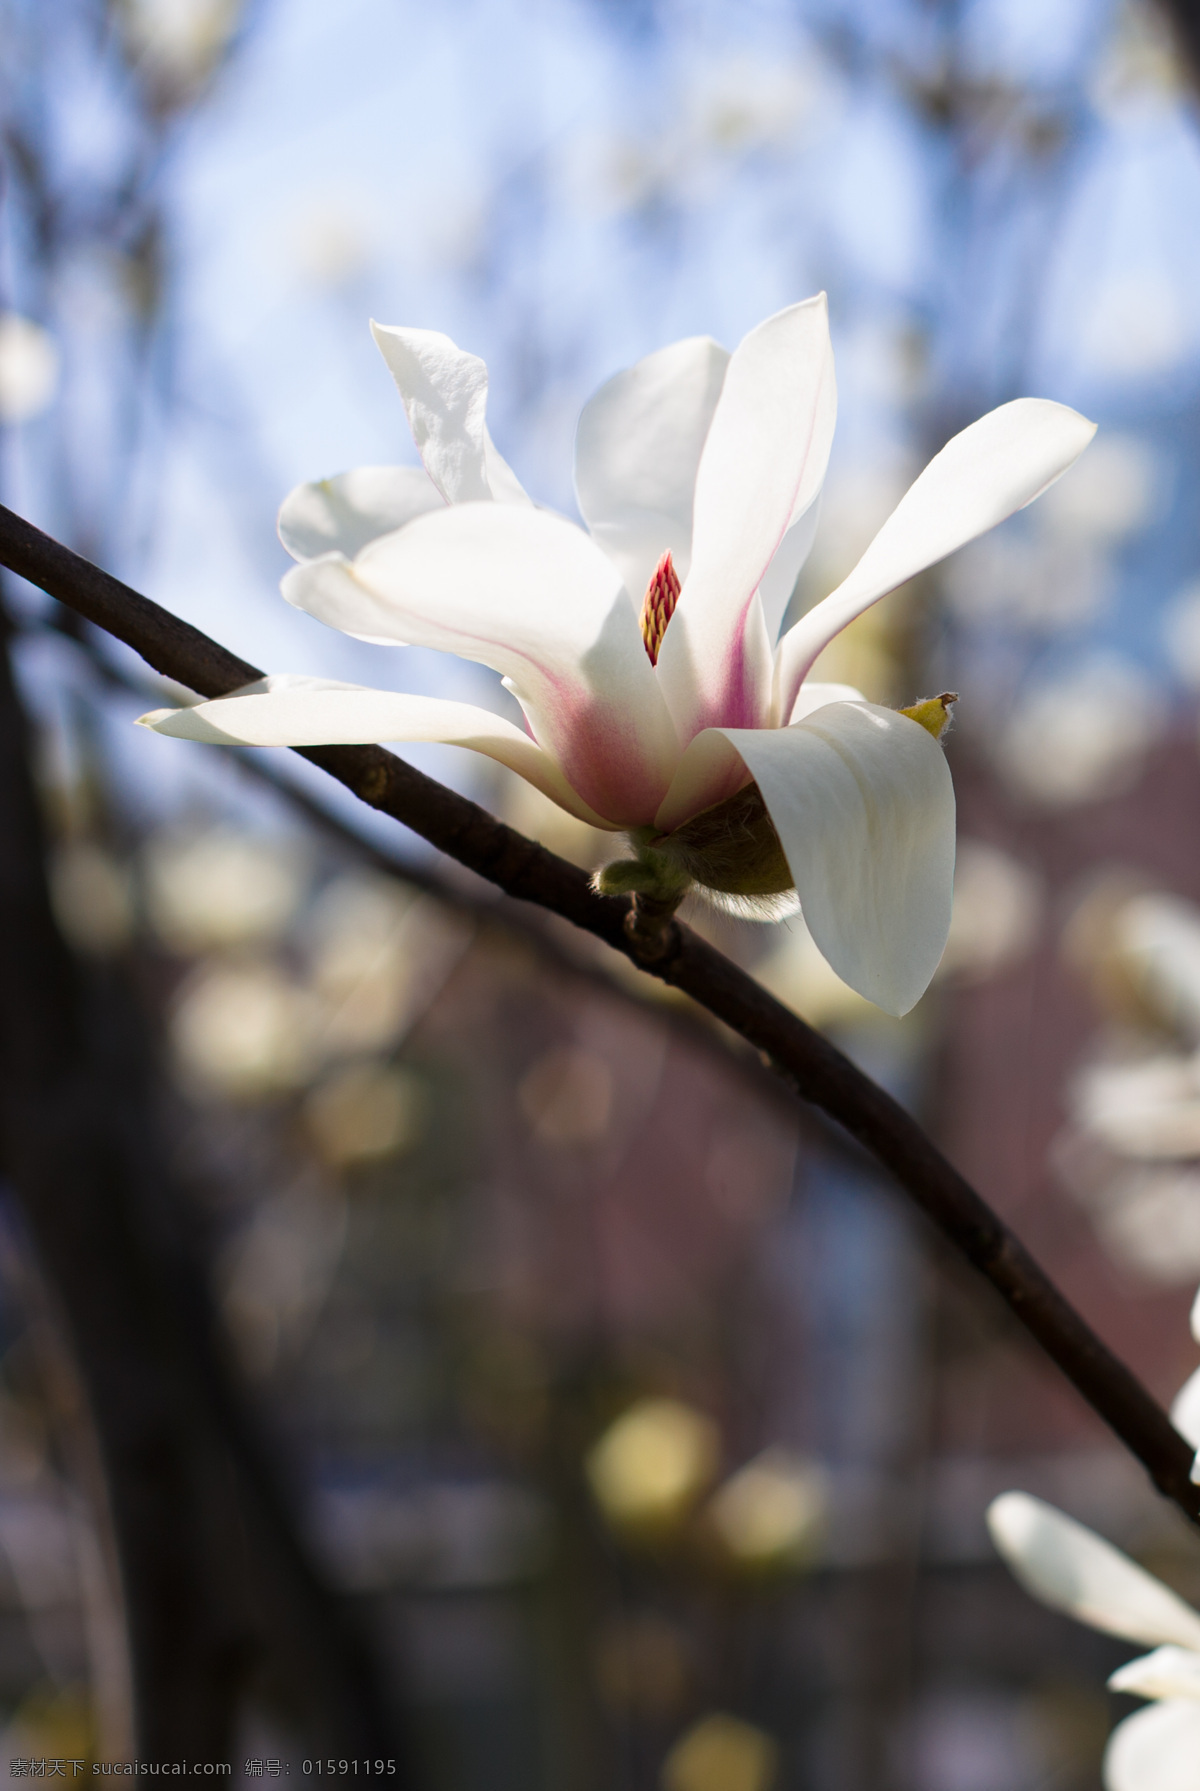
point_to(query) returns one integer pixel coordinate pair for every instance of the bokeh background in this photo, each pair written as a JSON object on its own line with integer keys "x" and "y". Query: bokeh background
{"x": 632, "y": 1431}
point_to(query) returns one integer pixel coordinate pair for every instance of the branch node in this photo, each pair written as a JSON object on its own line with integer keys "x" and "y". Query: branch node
{"x": 650, "y": 927}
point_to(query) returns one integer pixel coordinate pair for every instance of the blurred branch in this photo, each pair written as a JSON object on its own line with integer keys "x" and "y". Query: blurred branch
{"x": 217, "y": 1591}
{"x": 814, "y": 1068}
{"x": 1184, "y": 18}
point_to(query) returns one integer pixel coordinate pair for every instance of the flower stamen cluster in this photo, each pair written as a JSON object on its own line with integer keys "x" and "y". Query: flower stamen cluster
{"x": 658, "y": 605}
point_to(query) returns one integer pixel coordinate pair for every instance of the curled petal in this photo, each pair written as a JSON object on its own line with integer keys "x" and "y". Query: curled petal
{"x": 290, "y": 710}
{"x": 637, "y": 449}
{"x": 445, "y": 395}
{"x": 533, "y": 597}
{"x": 340, "y": 515}
{"x": 813, "y": 696}
{"x": 1074, "y": 1570}
{"x": 997, "y": 466}
{"x": 1155, "y": 1750}
{"x": 762, "y": 467}
{"x": 712, "y": 769}
{"x": 1169, "y": 1672}
{"x": 863, "y": 805}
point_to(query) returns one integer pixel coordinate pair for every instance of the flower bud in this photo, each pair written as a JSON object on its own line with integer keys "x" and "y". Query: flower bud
{"x": 933, "y": 713}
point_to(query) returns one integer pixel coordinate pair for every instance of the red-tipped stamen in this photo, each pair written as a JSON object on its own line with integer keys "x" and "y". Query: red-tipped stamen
{"x": 658, "y": 605}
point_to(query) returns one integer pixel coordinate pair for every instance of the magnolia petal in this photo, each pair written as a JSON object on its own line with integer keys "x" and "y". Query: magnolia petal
{"x": 340, "y": 515}
{"x": 762, "y": 466}
{"x": 1169, "y": 1672}
{"x": 1074, "y": 1570}
{"x": 862, "y": 801}
{"x": 445, "y": 396}
{"x": 533, "y": 597}
{"x": 291, "y": 710}
{"x": 1185, "y": 1410}
{"x": 637, "y": 449}
{"x": 814, "y": 695}
{"x": 1155, "y": 1750}
{"x": 712, "y": 769}
{"x": 863, "y": 805}
{"x": 997, "y": 466}
{"x": 779, "y": 579}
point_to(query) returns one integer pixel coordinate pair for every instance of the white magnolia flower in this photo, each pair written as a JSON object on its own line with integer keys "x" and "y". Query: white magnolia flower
{"x": 698, "y": 474}
{"x": 1074, "y": 1570}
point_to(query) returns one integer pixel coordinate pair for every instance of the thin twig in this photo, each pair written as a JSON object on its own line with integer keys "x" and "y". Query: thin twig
{"x": 814, "y": 1068}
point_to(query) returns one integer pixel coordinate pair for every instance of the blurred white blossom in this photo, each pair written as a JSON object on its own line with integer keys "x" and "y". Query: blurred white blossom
{"x": 29, "y": 368}
{"x": 244, "y": 1030}
{"x": 221, "y": 887}
{"x": 1071, "y": 1569}
{"x": 179, "y": 41}
{"x": 1131, "y": 1149}
{"x": 1084, "y": 735}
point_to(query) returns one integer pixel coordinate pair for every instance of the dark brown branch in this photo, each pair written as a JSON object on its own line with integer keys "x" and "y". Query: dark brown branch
{"x": 814, "y": 1068}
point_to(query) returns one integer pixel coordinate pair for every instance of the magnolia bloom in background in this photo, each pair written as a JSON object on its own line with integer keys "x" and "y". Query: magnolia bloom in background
{"x": 642, "y": 648}
{"x": 1076, "y": 1571}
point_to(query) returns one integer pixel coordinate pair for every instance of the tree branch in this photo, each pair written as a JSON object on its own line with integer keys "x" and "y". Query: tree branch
{"x": 814, "y": 1068}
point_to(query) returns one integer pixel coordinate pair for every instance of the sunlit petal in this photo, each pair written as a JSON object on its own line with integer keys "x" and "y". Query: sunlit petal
{"x": 779, "y": 579}
{"x": 813, "y": 696}
{"x": 445, "y": 395}
{"x": 340, "y": 515}
{"x": 1074, "y": 1570}
{"x": 762, "y": 466}
{"x": 997, "y": 466}
{"x": 290, "y": 710}
{"x": 637, "y": 449}
{"x": 712, "y": 768}
{"x": 863, "y": 805}
{"x": 1155, "y": 1750}
{"x": 534, "y": 598}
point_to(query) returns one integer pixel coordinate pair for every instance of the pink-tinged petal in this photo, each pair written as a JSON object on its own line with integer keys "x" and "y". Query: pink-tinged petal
{"x": 993, "y": 468}
{"x": 445, "y": 395}
{"x": 637, "y": 449}
{"x": 340, "y": 515}
{"x": 1155, "y": 1750}
{"x": 291, "y": 710}
{"x": 862, "y": 801}
{"x": 712, "y": 769}
{"x": 533, "y": 597}
{"x": 762, "y": 466}
{"x": 1072, "y": 1569}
